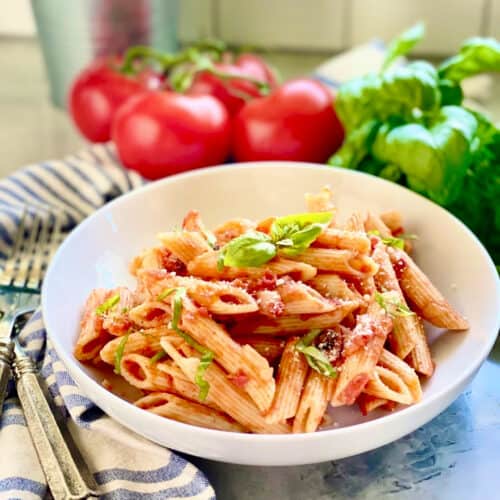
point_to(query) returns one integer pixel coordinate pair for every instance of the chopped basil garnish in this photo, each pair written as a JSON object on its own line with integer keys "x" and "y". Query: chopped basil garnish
{"x": 393, "y": 241}
{"x": 315, "y": 358}
{"x": 207, "y": 355}
{"x": 290, "y": 235}
{"x": 392, "y": 306}
{"x": 108, "y": 304}
{"x": 119, "y": 353}
{"x": 157, "y": 357}
{"x": 165, "y": 294}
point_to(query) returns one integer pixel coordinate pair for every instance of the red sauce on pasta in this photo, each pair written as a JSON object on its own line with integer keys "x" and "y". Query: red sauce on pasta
{"x": 399, "y": 266}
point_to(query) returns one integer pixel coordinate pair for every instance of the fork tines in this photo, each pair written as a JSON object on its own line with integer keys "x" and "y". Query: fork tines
{"x": 37, "y": 238}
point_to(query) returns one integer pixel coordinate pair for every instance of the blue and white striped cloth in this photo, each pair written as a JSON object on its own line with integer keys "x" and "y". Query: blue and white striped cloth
{"x": 125, "y": 465}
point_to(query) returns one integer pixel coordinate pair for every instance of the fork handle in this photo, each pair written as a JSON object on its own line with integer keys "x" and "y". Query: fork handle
{"x": 6, "y": 350}
{"x": 64, "y": 476}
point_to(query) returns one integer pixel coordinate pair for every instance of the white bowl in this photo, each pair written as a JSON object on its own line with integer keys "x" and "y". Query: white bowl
{"x": 98, "y": 251}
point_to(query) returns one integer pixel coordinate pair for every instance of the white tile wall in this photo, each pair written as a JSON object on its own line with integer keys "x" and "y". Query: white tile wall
{"x": 196, "y": 19}
{"x": 326, "y": 25}
{"x": 311, "y": 24}
{"x": 448, "y": 22}
{"x": 493, "y": 19}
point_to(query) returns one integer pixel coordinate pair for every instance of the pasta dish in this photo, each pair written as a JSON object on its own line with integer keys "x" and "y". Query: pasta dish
{"x": 261, "y": 326}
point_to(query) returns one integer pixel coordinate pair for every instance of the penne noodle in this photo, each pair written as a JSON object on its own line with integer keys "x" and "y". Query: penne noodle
{"x": 431, "y": 305}
{"x": 151, "y": 314}
{"x": 355, "y": 222}
{"x": 357, "y": 241}
{"x": 388, "y": 385}
{"x": 292, "y": 373}
{"x": 375, "y": 223}
{"x": 405, "y": 333}
{"x": 138, "y": 371}
{"x": 145, "y": 342}
{"x": 230, "y": 398}
{"x": 269, "y": 347}
{"x": 332, "y": 286}
{"x": 176, "y": 408}
{"x": 393, "y": 220}
{"x": 232, "y": 228}
{"x": 406, "y": 372}
{"x": 341, "y": 261}
{"x": 357, "y": 368}
{"x": 234, "y": 358}
{"x": 92, "y": 335}
{"x": 298, "y": 298}
{"x": 321, "y": 201}
{"x": 288, "y": 325}
{"x": 205, "y": 266}
{"x": 420, "y": 358}
{"x": 368, "y": 403}
{"x": 185, "y": 245}
{"x": 313, "y": 402}
{"x": 217, "y": 297}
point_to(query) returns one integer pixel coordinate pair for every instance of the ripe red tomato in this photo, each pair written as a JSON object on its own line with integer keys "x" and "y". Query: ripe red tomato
{"x": 233, "y": 93}
{"x": 99, "y": 90}
{"x": 296, "y": 122}
{"x": 163, "y": 133}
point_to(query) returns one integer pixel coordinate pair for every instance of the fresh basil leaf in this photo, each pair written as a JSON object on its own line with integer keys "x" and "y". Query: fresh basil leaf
{"x": 481, "y": 189}
{"x": 435, "y": 158}
{"x": 315, "y": 358}
{"x": 401, "y": 45}
{"x": 356, "y": 146}
{"x": 157, "y": 357}
{"x": 391, "y": 172}
{"x": 451, "y": 93}
{"x": 108, "y": 304}
{"x": 251, "y": 249}
{"x": 207, "y": 355}
{"x": 205, "y": 361}
{"x": 119, "y": 353}
{"x": 294, "y": 233}
{"x": 392, "y": 306}
{"x": 389, "y": 240}
{"x": 394, "y": 94}
{"x": 477, "y": 55}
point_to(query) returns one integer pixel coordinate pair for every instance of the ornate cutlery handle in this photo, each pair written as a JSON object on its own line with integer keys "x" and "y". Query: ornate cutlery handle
{"x": 6, "y": 352}
{"x": 64, "y": 475}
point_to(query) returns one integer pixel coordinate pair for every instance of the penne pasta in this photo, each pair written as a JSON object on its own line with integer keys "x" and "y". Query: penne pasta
{"x": 210, "y": 334}
{"x": 177, "y": 408}
{"x": 357, "y": 241}
{"x": 431, "y": 305}
{"x": 292, "y": 373}
{"x": 227, "y": 395}
{"x": 357, "y": 369}
{"x": 368, "y": 403}
{"x": 313, "y": 402}
{"x": 405, "y": 328}
{"x": 340, "y": 261}
{"x": 321, "y": 201}
{"x": 269, "y": 347}
{"x": 185, "y": 245}
{"x": 287, "y": 325}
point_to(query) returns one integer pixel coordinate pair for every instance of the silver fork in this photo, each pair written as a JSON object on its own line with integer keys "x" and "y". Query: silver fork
{"x": 66, "y": 473}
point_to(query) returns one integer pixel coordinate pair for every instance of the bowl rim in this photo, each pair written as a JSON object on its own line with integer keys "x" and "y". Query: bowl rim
{"x": 263, "y": 438}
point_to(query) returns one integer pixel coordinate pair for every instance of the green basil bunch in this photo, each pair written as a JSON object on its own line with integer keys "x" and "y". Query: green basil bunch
{"x": 407, "y": 124}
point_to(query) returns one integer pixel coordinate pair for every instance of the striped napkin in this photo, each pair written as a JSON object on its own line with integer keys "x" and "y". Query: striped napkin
{"x": 124, "y": 464}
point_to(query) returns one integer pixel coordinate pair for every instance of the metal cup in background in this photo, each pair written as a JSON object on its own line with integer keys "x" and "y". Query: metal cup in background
{"x": 72, "y": 34}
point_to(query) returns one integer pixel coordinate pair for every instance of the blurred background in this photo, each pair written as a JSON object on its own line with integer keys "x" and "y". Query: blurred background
{"x": 43, "y": 43}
